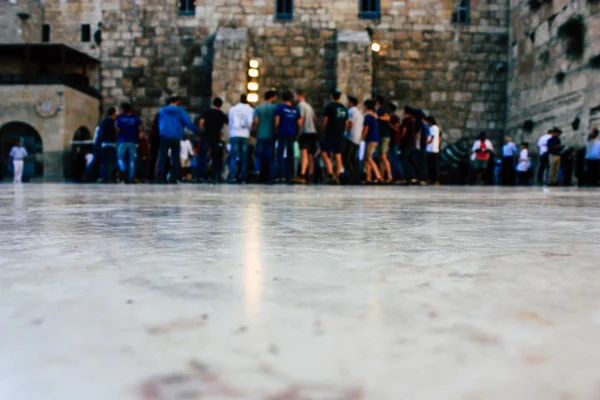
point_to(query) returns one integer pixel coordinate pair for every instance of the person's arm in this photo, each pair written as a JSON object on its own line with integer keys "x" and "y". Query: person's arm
{"x": 365, "y": 132}
{"x": 385, "y": 117}
{"x": 255, "y": 123}
{"x": 348, "y": 124}
{"x": 140, "y": 129}
{"x": 201, "y": 124}
{"x": 325, "y": 121}
{"x": 187, "y": 122}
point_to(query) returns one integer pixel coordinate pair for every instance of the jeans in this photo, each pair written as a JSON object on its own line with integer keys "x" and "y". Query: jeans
{"x": 411, "y": 163}
{"x": 108, "y": 160}
{"x": 508, "y": 171}
{"x": 202, "y": 159}
{"x": 239, "y": 150}
{"x": 129, "y": 149}
{"x": 285, "y": 169}
{"x": 543, "y": 168}
{"x": 174, "y": 145}
{"x": 351, "y": 163}
{"x": 433, "y": 164}
{"x": 265, "y": 156}
{"x": 395, "y": 162}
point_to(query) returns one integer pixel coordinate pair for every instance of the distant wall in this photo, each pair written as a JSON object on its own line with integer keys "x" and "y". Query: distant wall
{"x": 24, "y": 29}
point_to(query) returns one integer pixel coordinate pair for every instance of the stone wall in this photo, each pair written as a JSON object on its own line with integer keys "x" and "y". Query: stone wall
{"x": 546, "y": 85}
{"x": 19, "y": 104}
{"x": 354, "y": 71}
{"x": 26, "y": 28}
{"x": 229, "y": 72}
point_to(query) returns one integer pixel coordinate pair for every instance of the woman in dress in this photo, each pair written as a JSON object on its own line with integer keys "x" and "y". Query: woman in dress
{"x": 371, "y": 137}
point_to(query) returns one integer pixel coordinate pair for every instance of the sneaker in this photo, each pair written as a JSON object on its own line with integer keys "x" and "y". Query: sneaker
{"x": 299, "y": 179}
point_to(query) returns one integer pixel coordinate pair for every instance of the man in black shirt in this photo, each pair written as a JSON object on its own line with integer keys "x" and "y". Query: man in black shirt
{"x": 336, "y": 124}
{"x": 554, "y": 149}
{"x": 211, "y": 124}
{"x": 108, "y": 143}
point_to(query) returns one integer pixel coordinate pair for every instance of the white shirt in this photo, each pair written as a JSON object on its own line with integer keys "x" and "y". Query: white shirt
{"x": 524, "y": 162}
{"x": 357, "y": 119}
{"x": 308, "y": 113}
{"x": 509, "y": 149}
{"x": 241, "y": 117}
{"x": 186, "y": 149}
{"x": 477, "y": 145}
{"x": 434, "y": 146}
{"x": 542, "y": 144}
{"x": 89, "y": 157}
{"x": 18, "y": 153}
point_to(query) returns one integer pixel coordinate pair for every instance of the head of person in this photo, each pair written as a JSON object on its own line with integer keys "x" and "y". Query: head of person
{"x": 270, "y": 96}
{"x": 287, "y": 96}
{"x": 244, "y": 98}
{"x": 408, "y": 111}
{"x": 18, "y": 142}
{"x": 301, "y": 94}
{"x": 174, "y": 100}
{"x": 111, "y": 112}
{"x": 431, "y": 121}
{"x": 556, "y": 131}
{"x": 336, "y": 95}
{"x": 392, "y": 108}
{"x": 217, "y": 103}
{"x": 524, "y": 145}
{"x": 126, "y": 108}
{"x": 352, "y": 101}
{"x": 379, "y": 101}
{"x": 594, "y": 133}
{"x": 482, "y": 136}
{"x": 370, "y": 105}
{"x": 507, "y": 139}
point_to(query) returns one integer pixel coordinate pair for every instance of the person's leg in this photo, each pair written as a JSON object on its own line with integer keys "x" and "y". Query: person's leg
{"x": 121, "y": 152}
{"x": 407, "y": 168}
{"x": 543, "y": 169}
{"x": 290, "y": 161}
{"x": 132, "y": 150}
{"x": 436, "y": 166}
{"x": 233, "y": 156}
{"x": 554, "y": 168}
{"x": 162, "y": 159}
{"x": 175, "y": 146}
{"x": 17, "y": 171}
{"x": 395, "y": 164}
{"x": 279, "y": 152}
{"x": 415, "y": 161}
{"x": 259, "y": 157}
{"x": 243, "y": 148}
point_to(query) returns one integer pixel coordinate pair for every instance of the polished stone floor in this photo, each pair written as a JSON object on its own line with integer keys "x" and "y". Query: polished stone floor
{"x": 298, "y": 293}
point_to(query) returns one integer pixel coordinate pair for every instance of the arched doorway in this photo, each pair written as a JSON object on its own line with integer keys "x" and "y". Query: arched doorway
{"x": 82, "y": 134}
{"x": 82, "y": 145}
{"x": 32, "y": 141}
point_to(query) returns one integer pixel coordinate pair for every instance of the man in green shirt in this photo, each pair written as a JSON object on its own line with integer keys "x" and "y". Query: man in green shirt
{"x": 264, "y": 124}
{"x": 336, "y": 124}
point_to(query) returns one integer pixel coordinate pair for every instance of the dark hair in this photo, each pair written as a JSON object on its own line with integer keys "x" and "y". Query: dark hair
{"x": 353, "y": 100}
{"x": 380, "y": 99}
{"x": 218, "y": 102}
{"x": 409, "y": 110}
{"x": 392, "y": 107}
{"x": 431, "y": 120}
{"x": 287, "y": 96}
{"x": 336, "y": 94}
{"x": 482, "y": 136}
{"x": 300, "y": 92}
{"x": 244, "y": 98}
{"x": 126, "y": 107}
{"x": 269, "y": 94}
{"x": 110, "y": 111}
{"x": 370, "y": 104}
{"x": 557, "y": 130}
{"x": 525, "y": 144}
{"x": 174, "y": 99}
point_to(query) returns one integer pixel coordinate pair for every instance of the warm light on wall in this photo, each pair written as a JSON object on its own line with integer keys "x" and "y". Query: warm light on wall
{"x": 252, "y": 97}
{"x": 252, "y": 86}
{"x": 253, "y": 72}
{"x": 376, "y": 47}
{"x": 253, "y": 64}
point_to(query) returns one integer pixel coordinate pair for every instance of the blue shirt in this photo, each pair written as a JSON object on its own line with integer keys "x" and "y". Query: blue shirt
{"x": 172, "y": 121}
{"x": 373, "y": 125}
{"x": 129, "y": 128}
{"x": 288, "y": 120}
{"x": 592, "y": 150}
{"x": 509, "y": 149}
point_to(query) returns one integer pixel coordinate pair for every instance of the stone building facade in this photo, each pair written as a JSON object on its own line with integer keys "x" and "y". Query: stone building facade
{"x": 553, "y": 78}
{"x": 455, "y": 71}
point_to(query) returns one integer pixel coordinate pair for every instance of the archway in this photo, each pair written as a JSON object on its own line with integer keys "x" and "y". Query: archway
{"x": 82, "y": 134}
{"x": 75, "y": 161}
{"x": 32, "y": 141}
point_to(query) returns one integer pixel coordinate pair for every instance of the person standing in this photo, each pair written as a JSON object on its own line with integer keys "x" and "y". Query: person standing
{"x": 335, "y": 123}
{"x": 509, "y": 150}
{"x": 211, "y": 124}
{"x": 108, "y": 140}
{"x": 308, "y": 138}
{"x": 544, "y": 157}
{"x": 18, "y": 154}
{"x": 407, "y": 143}
{"x": 287, "y": 124}
{"x": 371, "y": 137}
{"x": 144, "y": 173}
{"x": 241, "y": 117}
{"x": 172, "y": 120}
{"x": 523, "y": 165}
{"x": 353, "y": 139}
{"x": 384, "y": 139}
{"x": 433, "y": 150}
{"x": 186, "y": 154}
{"x": 555, "y": 148}
{"x": 592, "y": 158}
{"x": 481, "y": 153}
{"x": 264, "y": 124}
{"x": 394, "y": 153}
{"x": 129, "y": 130}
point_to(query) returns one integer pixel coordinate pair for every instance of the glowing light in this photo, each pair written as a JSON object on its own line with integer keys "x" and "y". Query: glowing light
{"x": 253, "y": 72}
{"x": 252, "y": 97}
{"x": 376, "y": 47}
{"x": 252, "y": 86}
{"x": 253, "y": 64}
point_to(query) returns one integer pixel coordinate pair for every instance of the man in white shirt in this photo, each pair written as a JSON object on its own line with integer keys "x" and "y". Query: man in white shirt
{"x": 241, "y": 117}
{"x": 308, "y": 138}
{"x": 509, "y": 150}
{"x": 523, "y": 165}
{"x": 186, "y": 153}
{"x": 542, "y": 145}
{"x": 481, "y": 152}
{"x": 352, "y": 145}
{"x": 433, "y": 150}
{"x": 18, "y": 155}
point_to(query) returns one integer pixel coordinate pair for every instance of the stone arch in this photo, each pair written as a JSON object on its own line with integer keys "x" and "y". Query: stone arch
{"x": 82, "y": 134}
{"x": 32, "y": 141}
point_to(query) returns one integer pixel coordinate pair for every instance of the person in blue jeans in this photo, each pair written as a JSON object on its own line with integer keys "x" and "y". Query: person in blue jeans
{"x": 287, "y": 125}
{"x": 264, "y": 124}
{"x": 241, "y": 118}
{"x": 172, "y": 121}
{"x": 107, "y": 140}
{"x": 129, "y": 130}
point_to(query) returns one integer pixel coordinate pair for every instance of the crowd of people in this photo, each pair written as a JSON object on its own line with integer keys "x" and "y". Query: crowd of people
{"x": 291, "y": 144}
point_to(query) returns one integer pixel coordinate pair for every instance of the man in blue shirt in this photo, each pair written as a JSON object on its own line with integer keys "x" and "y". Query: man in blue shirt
{"x": 509, "y": 151}
{"x": 107, "y": 140}
{"x": 287, "y": 125}
{"x": 130, "y": 129}
{"x": 172, "y": 121}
